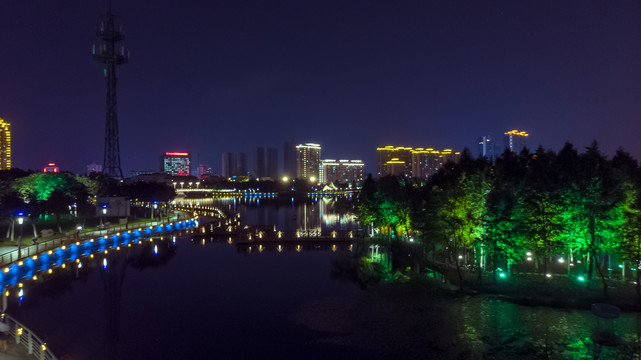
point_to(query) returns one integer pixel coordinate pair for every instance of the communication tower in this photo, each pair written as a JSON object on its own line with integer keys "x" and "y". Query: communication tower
{"x": 111, "y": 53}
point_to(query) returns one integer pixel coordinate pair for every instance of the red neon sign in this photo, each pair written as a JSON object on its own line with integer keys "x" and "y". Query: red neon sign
{"x": 177, "y": 154}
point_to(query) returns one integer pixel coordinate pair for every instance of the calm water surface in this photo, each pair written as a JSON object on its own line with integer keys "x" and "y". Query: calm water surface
{"x": 187, "y": 300}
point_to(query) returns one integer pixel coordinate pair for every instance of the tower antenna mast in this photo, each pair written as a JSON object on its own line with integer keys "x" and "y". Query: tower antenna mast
{"x": 111, "y": 53}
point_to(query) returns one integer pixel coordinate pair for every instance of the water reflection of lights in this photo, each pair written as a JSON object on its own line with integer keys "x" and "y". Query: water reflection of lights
{"x": 58, "y": 258}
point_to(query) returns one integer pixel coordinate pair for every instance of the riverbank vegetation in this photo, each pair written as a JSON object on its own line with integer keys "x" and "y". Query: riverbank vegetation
{"x": 539, "y": 215}
{"x": 62, "y": 201}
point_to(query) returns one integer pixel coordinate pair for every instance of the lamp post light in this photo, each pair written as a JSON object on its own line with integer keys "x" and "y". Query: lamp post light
{"x": 154, "y": 206}
{"x": 104, "y": 213}
{"x": 20, "y": 221}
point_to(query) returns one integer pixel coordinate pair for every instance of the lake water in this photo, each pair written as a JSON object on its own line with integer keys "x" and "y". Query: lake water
{"x": 209, "y": 299}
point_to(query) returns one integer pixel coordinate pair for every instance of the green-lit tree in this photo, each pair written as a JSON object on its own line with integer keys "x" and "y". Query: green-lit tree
{"x": 462, "y": 216}
{"x": 600, "y": 207}
{"x": 539, "y": 207}
{"x": 500, "y": 239}
{"x": 631, "y": 232}
{"x": 58, "y": 203}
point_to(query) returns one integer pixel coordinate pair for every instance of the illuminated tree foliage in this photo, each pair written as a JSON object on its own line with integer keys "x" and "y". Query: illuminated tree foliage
{"x": 538, "y": 208}
{"x": 582, "y": 207}
{"x": 39, "y": 186}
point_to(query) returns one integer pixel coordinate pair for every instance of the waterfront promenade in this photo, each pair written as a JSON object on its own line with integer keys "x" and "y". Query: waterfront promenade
{"x": 10, "y": 254}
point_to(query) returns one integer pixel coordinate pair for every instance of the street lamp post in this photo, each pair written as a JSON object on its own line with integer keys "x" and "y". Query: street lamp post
{"x": 104, "y": 213}
{"x": 154, "y": 206}
{"x": 20, "y": 221}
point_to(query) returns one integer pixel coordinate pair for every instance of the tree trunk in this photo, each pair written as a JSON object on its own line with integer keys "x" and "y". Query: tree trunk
{"x": 638, "y": 285}
{"x": 590, "y": 267}
{"x": 9, "y": 230}
{"x": 460, "y": 275}
{"x": 58, "y": 223}
{"x": 599, "y": 270}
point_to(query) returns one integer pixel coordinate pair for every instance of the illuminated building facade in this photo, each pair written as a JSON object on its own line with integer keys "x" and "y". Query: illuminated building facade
{"x": 308, "y": 160}
{"x": 343, "y": 171}
{"x": 5, "y": 145}
{"x": 516, "y": 140}
{"x": 234, "y": 164}
{"x": 409, "y": 162}
{"x": 394, "y": 160}
{"x": 176, "y": 164}
{"x": 204, "y": 171}
{"x": 427, "y": 162}
{"x": 488, "y": 148}
{"x": 51, "y": 168}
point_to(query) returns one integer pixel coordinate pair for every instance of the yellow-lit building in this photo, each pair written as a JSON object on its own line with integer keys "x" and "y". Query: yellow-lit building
{"x": 405, "y": 161}
{"x": 394, "y": 160}
{"x": 516, "y": 140}
{"x": 426, "y": 162}
{"x": 308, "y": 161}
{"x": 5, "y": 145}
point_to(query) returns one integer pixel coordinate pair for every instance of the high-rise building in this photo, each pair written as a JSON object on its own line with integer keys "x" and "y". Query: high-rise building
{"x": 267, "y": 163}
{"x": 272, "y": 163}
{"x": 5, "y": 145}
{"x": 427, "y": 162}
{"x": 394, "y": 160}
{"x": 516, "y": 140}
{"x": 204, "y": 171}
{"x": 51, "y": 168}
{"x": 308, "y": 159}
{"x": 93, "y": 167}
{"x": 176, "y": 164}
{"x": 289, "y": 158}
{"x": 409, "y": 162}
{"x": 448, "y": 155}
{"x": 343, "y": 171}
{"x": 234, "y": 164}
{"x": 260, "y": 163}
{"x": 487, "y": 147}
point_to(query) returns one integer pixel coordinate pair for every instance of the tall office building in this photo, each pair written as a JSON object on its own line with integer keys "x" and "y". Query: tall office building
{"x": 93, "y": 167}
{"x": 204, "y": 171}
{"x": 308, "y": 159}
{"x": 260, "y": 163}
{"x": 267, "y": 163}
{"x": 289, "y": 158}
{"x": 234, "y": 164}
{"x": 343, "y": 171}
{"x": 487, "y": 147}
{"x": 5, "y": 145}
{"x": 394, "y": 160}
{"x": 427, "y": 162}
{"x": 272, "y": 163}
{"x": 403, "y": 161}
{"x": 176, "y": 164}
{"x": 516, "y": 140}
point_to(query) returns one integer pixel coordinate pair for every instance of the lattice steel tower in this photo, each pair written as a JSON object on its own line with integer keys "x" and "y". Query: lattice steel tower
{"x": 111, "y": 54}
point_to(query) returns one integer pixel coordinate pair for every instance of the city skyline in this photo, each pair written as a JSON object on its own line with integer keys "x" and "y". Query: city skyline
{"x": 435, "y": 73}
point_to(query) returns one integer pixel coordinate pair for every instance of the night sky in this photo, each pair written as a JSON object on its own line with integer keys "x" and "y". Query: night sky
{"x": 214, "y": 76}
